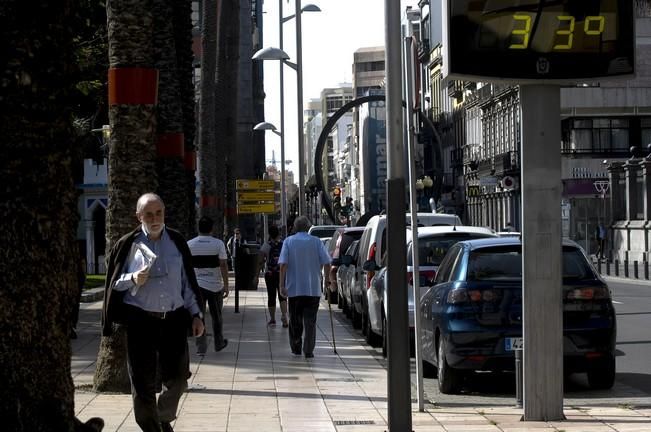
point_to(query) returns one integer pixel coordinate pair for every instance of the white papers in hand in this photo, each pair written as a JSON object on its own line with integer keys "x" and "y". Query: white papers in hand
{"x": 148, "y": 258}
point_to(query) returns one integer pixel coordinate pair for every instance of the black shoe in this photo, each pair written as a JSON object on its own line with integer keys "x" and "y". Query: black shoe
{"x": 73, "y": 334}
{"x": 298, "y": 353}
{"x": 217, "y": 349}
{"x": 310, "y": 355}
{"x": 166, "y": 427}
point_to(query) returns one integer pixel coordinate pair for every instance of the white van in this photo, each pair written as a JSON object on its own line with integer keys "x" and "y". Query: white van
{"x": 372, "y": 246}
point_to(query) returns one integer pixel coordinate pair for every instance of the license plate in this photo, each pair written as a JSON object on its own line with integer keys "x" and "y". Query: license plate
{"x": 513, "y": 343}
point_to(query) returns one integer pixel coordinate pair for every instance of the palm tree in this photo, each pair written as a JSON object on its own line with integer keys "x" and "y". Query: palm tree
{"x": 211, "y": 205}
{"x": 171, "y": 151}
{"x": 132, "y": 157}
{"x": 182, "y": 17}
{"x": 38, "y": 214}
{"x": 226, "y": 101}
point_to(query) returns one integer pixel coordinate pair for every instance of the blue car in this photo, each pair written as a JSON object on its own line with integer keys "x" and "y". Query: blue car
{"x": 472, "y": 316}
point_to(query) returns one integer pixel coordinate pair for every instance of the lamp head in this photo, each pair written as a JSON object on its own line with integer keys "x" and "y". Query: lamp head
{"x": 264, "y": 126}
{"x": 270, "y": 53}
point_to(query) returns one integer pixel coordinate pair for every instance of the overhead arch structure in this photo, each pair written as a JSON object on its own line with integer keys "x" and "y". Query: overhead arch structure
{"x": 330, "y": 124}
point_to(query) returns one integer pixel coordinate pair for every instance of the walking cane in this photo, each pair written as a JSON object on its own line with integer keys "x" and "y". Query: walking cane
{"x": 332, "y": 326}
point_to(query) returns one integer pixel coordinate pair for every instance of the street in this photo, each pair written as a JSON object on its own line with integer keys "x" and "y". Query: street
{"x": 633, "y": 383}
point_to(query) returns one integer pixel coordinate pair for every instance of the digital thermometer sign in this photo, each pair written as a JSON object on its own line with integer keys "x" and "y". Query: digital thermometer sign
{"x": 533, "y": 40}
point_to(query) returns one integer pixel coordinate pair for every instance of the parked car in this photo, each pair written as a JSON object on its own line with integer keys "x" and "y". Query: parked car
{"x": 346, "y": 276}
{"x": 323, "y": 231}
{"x": 341, "y": 239}
{"x": 472, "y": 316}
{"x": 373, "y": 247}
{"x": 433, "y": 244}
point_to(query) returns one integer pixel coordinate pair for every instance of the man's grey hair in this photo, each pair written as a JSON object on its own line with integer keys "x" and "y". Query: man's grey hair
{"x": 302, "y": 224}
{"x": 146, "y": 199}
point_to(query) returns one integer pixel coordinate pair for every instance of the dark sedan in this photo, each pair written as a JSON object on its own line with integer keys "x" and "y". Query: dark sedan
{"x": 472, "y": 316}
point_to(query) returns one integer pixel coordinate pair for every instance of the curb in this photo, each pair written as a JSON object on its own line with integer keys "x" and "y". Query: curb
{"x": 92, "y": 295}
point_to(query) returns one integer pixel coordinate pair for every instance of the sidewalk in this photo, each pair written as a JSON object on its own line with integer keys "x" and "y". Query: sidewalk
{"x": 256, "y": 384}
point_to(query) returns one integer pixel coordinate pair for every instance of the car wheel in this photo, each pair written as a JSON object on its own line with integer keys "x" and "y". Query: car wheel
{"x": 355, "y": 317}
{"x": 340, "y": 300}
{"x": 429, "y": 370}
{"x": 364, "y": 322}
{"x": 449, "y": 379}
{"x": 384, "y": 337}
{"x": 372, "y": 338}
{"x": 601, "y": 373}
{"x": 346, "y": 308}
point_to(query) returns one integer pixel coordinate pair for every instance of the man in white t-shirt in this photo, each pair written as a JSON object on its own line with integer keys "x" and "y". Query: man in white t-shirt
{"x": 209, "y": 258}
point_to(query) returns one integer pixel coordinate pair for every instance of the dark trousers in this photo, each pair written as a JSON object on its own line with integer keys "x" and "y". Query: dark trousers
{"x": 302, "y": 316}
{"x": 153, "y": 342}
{"x": 272, "y": 280}
{"x": 215, "y": 305}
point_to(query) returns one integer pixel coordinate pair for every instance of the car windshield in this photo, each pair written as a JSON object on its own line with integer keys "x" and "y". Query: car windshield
{"x": 431, "y": 250}
{"x": 505, "y": 262}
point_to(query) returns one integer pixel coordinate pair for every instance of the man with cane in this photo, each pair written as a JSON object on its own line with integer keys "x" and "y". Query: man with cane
{"x": 301, "y": 259}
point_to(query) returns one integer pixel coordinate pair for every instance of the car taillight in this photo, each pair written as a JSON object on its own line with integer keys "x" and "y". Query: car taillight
{"x": 426, "y": 277}
{"x": 587, "y": 293}
{"x": 462, "y": 295}
{"x": 371, "y": 257}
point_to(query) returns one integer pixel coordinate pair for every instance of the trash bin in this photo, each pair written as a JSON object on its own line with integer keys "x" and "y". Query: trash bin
{"x": 246, "y": 267}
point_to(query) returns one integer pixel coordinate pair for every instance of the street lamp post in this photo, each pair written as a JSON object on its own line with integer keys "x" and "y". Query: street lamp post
{"x": 279, "y": 54}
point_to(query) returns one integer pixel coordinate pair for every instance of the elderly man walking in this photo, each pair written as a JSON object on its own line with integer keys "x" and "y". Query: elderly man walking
{"x": 301, "y": 260}
{"x": 152, "y": 288}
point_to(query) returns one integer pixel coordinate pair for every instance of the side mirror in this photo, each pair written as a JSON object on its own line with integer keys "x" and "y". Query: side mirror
{"x": 346, "y": 260}
{"x": 335, "y": 262}
{"x": 370, "y": 265}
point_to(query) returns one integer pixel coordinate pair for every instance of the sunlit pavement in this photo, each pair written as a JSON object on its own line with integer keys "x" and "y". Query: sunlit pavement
{"x": 257, "y": 384}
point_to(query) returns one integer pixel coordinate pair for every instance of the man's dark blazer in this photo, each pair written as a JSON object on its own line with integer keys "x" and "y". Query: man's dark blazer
{"x": 113, "y": 309}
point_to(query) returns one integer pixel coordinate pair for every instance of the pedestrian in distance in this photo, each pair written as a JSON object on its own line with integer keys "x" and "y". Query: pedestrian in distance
{"x": 301, "y": 259}
{"x": 602, "y": 233}
{"x": 151, "y": 288}
{"x": 233, "y": 244}
{"x": 269, "y": 256}
{"x": 210, "y": 263}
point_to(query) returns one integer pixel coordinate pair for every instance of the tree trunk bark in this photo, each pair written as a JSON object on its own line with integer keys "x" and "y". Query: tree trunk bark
{"x": 210, "y": 197}
{"x": 132, "y": 157}
{"x": 171, "y": 144}
{"x": 183, "y": 34}
{"x": 38, "y": 215}
{"x": 226, "y": 103}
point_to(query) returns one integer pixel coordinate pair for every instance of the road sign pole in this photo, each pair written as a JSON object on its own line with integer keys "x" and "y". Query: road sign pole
{"x": 398, "y": 363}
{"x": 542, "y": 253}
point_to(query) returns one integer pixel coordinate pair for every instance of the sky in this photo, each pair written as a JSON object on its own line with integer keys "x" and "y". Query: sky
{"x": 330, "y": 38}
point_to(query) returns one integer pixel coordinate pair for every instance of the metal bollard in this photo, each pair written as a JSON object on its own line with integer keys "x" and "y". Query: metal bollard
{"x": 599, "y": 266}
{"x": 518, "y": 378}
{"x": 646, "y": 270}
{"x": 608, "y": 268}
{"x": 626, "y": 268}
{"x": 635, "y": 273}
{"x": 616, "y": 267}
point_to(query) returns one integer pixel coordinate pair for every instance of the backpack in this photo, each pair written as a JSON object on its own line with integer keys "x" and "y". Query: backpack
{"x": 274, "y": 256}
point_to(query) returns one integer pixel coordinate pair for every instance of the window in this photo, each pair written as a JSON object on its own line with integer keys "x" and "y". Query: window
{"x": 600, "y": 135}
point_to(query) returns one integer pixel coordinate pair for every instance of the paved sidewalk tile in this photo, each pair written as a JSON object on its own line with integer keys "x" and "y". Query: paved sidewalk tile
{"x": 257, "y": 384}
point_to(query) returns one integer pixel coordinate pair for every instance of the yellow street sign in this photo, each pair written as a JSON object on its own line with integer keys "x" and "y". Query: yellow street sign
{"x": 256, "y": 196}
{"x": 254, "y": 184}
{"x": 256, "y": 208}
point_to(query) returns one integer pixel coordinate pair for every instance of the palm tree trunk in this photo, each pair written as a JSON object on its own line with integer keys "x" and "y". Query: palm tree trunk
{"x": 226, "y": 102}
{"x": 210, "y": 201}
{"x": 182, "y": 16}
{"x": 171, "y": 142}
{"x": 38, "y": 215}
{"x": 132, "y": 153}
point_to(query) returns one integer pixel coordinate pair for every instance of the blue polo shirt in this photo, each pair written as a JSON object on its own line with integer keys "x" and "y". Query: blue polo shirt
{"x": 304, "y": 255}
